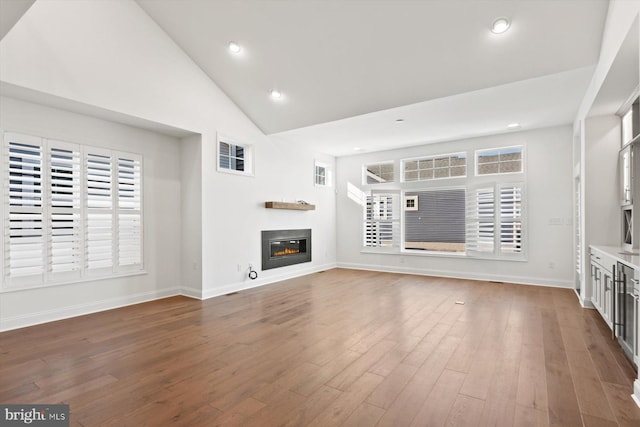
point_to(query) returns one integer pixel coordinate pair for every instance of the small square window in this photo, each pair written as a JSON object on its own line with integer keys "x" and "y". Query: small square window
{"x": 322, "y": 175}
{"x": 234, "y": 158}
{"x": 411, "y": 203}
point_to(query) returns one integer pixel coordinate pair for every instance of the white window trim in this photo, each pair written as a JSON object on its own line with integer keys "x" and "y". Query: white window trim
{"x": 433, "y": 157}
{"x": 522, "y": 160}
{"x": 248, "y": 156}
{"x": 328, "y": 175}
{"x": 415, "y": 203}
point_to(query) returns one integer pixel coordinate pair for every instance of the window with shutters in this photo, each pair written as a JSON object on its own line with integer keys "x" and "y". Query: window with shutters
{"x": 436, "y": 221}
{"x": 510, "y": 219}
{"x": 129, "y": 211}
{"x": 481, "y": 217}
{"x": 382, "y": 220}
{"x": 71, "y": 211}
{"x": 99, "y": 226}
{"x": 495, "y": 221}
{"x": 234, "y": 158}
{"x": 24, "y": 225}
{"x": 64, "y": 210}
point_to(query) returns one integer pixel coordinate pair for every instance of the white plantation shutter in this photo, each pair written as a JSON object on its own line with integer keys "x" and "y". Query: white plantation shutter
{"x": 99, "y": 225}
{"x": 481, "y": 220}
{"x": 495, "y": 221}
{"x": 129, "y": 211}
{"x": 382, "y": 220}
{"x": 70, "y": 211}
{"x": 24, "y": 209}
{"x": 511, "y": 219}
{"x": 64, "y": 204}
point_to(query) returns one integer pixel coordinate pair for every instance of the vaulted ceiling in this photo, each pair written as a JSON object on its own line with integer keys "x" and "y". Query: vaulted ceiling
{"x": 349, "y": 69}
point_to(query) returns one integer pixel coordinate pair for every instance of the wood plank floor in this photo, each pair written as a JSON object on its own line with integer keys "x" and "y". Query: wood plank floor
{"x": 341, "y": 347}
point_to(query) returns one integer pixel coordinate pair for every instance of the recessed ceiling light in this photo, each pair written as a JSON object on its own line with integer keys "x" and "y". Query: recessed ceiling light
{"x": 500, "y": 25}
{"x": 513, "y": 125}
{"x": 399, "y": 120}
{"x": 234, "y": 47}
{"x": 275, "y": 94}
{"x": 357, "y": 148}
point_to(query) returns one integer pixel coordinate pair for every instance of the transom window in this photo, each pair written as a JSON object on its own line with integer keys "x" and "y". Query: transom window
{"x": 379, "y": 173}
{"x": 435, "y": 167}
{"x": 499, "y": 161}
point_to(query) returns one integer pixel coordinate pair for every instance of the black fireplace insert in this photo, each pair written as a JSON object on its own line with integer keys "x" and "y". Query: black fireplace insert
{"x": 285, "y": 247}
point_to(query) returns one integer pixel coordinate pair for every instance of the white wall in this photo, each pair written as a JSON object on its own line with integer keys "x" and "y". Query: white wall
{"x": 161, "y": 198}
{"x": 191, "y": 211}
{"x": 237, "y": 215}
{"x": 548, "y": 165}
{"x": 111, "y": 55}
{"x": 602, "y": 202}
{"x": 621, "y": 15}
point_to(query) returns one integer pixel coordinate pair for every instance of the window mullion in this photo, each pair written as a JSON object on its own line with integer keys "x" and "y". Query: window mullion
{"x": 115, "y": 203}
{"x": 46, "y": 209}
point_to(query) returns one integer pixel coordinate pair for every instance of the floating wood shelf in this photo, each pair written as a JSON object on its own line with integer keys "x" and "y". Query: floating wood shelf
{"x": 287, "y": 205}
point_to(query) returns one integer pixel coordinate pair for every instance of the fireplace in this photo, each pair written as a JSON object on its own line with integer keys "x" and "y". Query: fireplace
{"x": 285, "y": 247}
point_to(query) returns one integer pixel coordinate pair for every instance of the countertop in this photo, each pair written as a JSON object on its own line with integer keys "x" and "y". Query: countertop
{"x": 632, "y": 260}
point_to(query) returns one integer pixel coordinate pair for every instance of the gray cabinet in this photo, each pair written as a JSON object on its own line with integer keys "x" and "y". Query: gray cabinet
{"x": 602, "y": 268}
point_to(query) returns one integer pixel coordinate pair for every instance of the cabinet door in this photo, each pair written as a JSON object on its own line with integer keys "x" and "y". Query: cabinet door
{"x": 636, "y": 350}
{"x": 607, "y": 297}
{"x": 595, "y": 284}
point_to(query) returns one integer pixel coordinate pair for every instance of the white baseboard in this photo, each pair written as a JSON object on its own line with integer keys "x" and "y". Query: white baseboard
{"x": 249, "y": 284}
{"x": 521, "y": 280}
{"x": 45, "y": 316}
{"x": 191, "y": 293}
{"x": 31, "y": 319}
{"x": 636, "y": 392}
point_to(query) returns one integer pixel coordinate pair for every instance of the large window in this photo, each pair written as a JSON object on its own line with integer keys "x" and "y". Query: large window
{"x": 435, "y": 220}
{"x": 70, "y": 211}
{"x": 481, "y": 216}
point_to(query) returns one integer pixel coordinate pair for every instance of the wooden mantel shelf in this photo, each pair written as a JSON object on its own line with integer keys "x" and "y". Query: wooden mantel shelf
{"x": 287, "y": 205}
